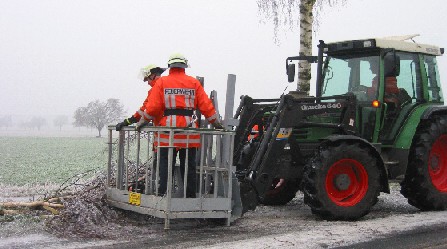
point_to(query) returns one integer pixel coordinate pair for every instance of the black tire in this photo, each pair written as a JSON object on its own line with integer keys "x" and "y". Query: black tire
{"x": 280, "y": 195}
{"x": 342, "y": 181}
{"x": 425, "y": 183}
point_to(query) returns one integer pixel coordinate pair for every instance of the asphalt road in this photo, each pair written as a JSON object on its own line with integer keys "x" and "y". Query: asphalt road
{"x": 434, "y": 237}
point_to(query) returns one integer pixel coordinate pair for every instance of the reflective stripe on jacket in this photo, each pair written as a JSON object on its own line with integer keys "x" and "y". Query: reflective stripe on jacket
{"x": 179, "y": 91}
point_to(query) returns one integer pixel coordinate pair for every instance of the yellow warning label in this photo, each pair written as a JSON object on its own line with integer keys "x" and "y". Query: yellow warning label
{"x": 135, "y": 198}
{"x": 284, "y": 133}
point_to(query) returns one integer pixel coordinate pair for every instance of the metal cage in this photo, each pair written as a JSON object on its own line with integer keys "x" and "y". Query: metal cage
{"x": 133, "y": 174}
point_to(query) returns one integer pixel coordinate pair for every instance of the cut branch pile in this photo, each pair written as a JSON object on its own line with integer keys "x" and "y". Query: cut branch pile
{"x": 78, "y": 208}
{"x": 86, "y": 213}
{"x": 52, "y": 205}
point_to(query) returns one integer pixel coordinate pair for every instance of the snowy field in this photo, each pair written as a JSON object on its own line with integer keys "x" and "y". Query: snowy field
{"x": 49, "y": 160}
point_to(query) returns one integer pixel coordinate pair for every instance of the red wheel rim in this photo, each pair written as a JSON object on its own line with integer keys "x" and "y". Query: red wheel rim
{"x": 437, "y": 163}
{"x": 346, "y": 182}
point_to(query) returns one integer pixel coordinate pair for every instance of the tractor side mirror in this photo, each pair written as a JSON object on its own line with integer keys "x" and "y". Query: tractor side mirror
{"x": 391, "y": 64}
{"x": 291, "y": 72}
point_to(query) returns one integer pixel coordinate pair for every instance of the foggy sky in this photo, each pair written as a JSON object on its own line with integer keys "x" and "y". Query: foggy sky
{"x": 57, "y": 55}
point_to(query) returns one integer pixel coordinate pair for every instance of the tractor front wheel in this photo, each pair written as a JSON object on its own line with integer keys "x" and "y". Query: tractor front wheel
{"x": 425, "y": 183}
{"x": 342, "y": 181}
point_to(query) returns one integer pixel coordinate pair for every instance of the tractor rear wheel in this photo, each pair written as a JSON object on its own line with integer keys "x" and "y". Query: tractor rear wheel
{"x": 281, "y": 192}
{"x": 342, "y": 181}
{"x": 425, "y": 183}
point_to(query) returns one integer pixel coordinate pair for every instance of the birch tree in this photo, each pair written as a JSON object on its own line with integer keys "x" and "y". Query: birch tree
{"x": 302, "y": 13}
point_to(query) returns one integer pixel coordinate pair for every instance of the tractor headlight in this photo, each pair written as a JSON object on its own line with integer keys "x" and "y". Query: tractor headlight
{"x": 367, "y": 44}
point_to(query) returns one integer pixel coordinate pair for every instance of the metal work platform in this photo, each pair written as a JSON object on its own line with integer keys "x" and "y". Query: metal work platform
{"x": 134, "y": 161}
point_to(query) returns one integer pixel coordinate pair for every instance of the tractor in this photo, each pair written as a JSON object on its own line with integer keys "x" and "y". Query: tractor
{"x": 378, "y": 116}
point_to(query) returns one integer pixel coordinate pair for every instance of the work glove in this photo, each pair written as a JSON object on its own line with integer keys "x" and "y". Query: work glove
{"x": 140, "y": 189}
{"x": 120, "y": 126}
{"x": 217, "y": 125}
{"x": 142, "y": 123}
{"x": 126, "y": 122}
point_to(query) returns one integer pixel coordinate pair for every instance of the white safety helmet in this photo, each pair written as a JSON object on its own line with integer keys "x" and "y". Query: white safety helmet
{"x": 149, "y": 70}
{"x": 177, "y": 60}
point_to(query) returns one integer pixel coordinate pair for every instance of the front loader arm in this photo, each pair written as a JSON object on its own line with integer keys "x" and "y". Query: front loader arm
{"x": 290, "y": 113}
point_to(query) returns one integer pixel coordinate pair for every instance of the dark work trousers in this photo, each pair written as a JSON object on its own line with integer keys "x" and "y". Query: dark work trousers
{"x": 191, "y": 185}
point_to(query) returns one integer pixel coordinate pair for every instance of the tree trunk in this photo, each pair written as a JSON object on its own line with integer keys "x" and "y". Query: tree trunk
{"x": 33, "y": 204}
{"x": 304, "y": 67}
{"x": 99, "y": 127}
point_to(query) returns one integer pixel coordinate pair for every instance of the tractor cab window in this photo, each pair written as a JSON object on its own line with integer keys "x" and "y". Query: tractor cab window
{"x": 356, "y": 75}
{"x": 343, "y": 74}
{"x": 409, "y": 80}
{"x": 401, "y": 95}
{"x": 434, "y": 88}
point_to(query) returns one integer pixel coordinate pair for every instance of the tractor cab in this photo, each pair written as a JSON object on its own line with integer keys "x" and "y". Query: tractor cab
{"x": 389, "y": 77}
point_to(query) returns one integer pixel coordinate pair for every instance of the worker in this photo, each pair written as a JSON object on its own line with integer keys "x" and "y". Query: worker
{"x": 175, "y": 97}
{"x": 150, "y": 74}
{"x": 393, "y": 96}
{"x": 254, "y": 133}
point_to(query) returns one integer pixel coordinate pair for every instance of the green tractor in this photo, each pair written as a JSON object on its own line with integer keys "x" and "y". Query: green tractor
{"x": 378, "y": 115}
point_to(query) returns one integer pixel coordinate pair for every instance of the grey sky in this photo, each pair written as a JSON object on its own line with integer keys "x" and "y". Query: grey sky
{"x": 58, "y": 55}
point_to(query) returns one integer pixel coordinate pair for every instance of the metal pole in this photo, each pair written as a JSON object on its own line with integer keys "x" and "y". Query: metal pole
{"x": 202, "y": 159}
{"x": 138, "y": 161}
{"x": 198, "y": 113}
{"x": 321, "y": 47}
{"x": 218, "y": 160}
{"x": 150, "y": 167}
{"x": 120, "y": 166}
{"x": 109, "y": 162}
{"x": 229, "y": 122}
{"x": 185, "y": 177}
{"x": 230, "y": 177}
{"x": 126, "y": 182}
{"x": 229, "y": 99}
{"x": 157, "y": 171}
{"x": 169, "y": 183}
{"x": 149, "y": 135}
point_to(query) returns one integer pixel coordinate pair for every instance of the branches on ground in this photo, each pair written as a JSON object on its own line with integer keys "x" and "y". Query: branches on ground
{"x": 70, "y": 188}
{"x": 72, "y": 182}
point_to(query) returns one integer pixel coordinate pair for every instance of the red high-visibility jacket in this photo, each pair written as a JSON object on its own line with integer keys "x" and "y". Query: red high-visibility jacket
{"x": 179, "y": 91}
{"x": 391, "y": 90}
{"x": 254, "y": 132}
{"x": 140, "y": 113}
